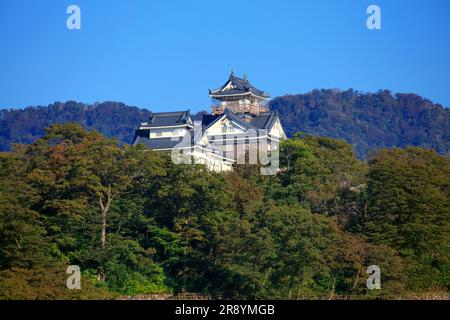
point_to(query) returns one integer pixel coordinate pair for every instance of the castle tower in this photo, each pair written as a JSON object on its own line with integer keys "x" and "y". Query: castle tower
{"x": 238, "y": 96}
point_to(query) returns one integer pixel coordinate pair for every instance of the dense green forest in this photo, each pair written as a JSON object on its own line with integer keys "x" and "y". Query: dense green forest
{"x": 136, "y": 223}
{"x": 367, "y": 121}
{"x": 112, "y": 119}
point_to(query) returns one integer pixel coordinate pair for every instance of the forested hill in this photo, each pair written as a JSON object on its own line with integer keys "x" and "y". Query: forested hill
{"x": 367, "y": 120}
{"x": 112, "y": 119}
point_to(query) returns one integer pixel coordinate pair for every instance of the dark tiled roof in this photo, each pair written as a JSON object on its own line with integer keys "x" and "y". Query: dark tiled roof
{"x": 265, "y": 120}
{"x": 239, "y": 120}
{"x": 157, "y": 143}
{"x": 162, "y": 119}
{"x": 208, "y": 119}
{"x": 240, "y": 86}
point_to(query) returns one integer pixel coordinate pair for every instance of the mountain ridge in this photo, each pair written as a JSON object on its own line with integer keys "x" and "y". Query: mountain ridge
{"x": 368, "y": 121}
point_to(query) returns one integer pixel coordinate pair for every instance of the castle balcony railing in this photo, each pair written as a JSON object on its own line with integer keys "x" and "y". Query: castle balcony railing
{"x": 254, "y": 109}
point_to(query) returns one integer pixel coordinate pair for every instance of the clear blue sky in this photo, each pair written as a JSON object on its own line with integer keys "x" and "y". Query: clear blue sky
{"x": 165, "y": 55}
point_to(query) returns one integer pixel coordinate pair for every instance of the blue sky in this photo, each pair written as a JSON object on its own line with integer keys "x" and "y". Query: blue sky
{"x": 165, "y": 55}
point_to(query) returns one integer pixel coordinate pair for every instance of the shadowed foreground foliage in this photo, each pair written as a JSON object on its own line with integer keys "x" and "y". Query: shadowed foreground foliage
{"x": 136, "y": 223}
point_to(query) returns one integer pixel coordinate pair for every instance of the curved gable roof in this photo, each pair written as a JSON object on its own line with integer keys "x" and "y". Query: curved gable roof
{"x": 235, "y": 86}
{"x": 233, "y": 117}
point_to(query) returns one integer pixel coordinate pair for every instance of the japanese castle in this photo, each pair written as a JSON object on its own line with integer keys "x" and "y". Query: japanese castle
{"x": 239, "y": 130}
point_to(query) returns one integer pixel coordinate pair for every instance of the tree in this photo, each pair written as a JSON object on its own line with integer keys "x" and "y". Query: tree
{"x": 23, "y": 241}
{"x": 74, "y": 169}
{"x": 408, "y": 208}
